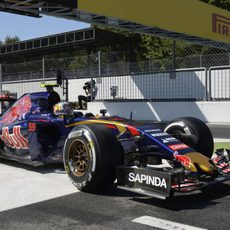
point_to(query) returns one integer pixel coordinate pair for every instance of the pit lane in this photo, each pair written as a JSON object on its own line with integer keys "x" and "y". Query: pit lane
{"x": 44, "y": 198}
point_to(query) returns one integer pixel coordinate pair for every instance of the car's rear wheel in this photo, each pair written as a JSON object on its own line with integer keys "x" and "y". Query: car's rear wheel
{"x": 91, "y": 155}
{"x": 194, "y": 133}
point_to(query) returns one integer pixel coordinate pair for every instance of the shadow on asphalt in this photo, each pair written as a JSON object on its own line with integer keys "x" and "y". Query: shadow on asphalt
{"x": 43, "y": 169}
{"x": 195, "y": 200}
{"x": 122, "y": 200}
{"x": 112, "y": 209}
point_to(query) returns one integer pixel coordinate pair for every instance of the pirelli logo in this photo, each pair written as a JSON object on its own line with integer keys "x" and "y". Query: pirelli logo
{"x": 221, "y": 25}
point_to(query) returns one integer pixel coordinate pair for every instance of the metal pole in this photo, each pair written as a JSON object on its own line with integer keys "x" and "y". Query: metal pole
{"x": 1, "y": 77}
{"x": 67, "y": 89}
{"x": 207, "y": 88}
{"x": 209, "y": 85}
{"x": 43, "y": 69}
{"x": 99, "y": 62}
{"x": 229, "y": 57}
{"x": 91, "y": 89}
{"x": 174, "y": 55}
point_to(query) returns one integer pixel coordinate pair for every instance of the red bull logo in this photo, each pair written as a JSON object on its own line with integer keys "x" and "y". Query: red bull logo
{"x": 14, "y": 140}
{"x": 185, "y": 160}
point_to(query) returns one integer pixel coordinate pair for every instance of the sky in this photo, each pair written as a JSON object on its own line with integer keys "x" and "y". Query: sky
{"x": 28, "y": 27}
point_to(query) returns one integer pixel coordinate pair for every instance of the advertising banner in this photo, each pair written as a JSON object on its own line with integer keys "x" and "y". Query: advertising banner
{"x": 190, "y": 17}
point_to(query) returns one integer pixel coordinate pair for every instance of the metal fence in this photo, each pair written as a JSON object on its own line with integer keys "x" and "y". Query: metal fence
{"x": 104, "y": 64}
{"x": 219, "y": 87}
{"x": 121, "y": 80}
{"x": 181, "y": 85}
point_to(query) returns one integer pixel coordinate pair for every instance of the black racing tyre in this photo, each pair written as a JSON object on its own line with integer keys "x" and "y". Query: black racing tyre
{"x": 194, "y": 133}
{"x": 91, "y": 156}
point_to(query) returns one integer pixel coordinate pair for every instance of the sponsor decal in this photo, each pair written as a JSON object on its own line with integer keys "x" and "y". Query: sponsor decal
{"x": 168, "y": 139}
{"x": 75, "y": 134}
{"x": 147, "y": 179}
{"x": 144, "y": 179}
{"x": 152, "y": 130}
{"x": 178, "y": 147}
{"x": 185, "y": 160}
{"x": 14, "y": 140}
{"x": 221, "y": 25}
{"x": 159, "y": 134}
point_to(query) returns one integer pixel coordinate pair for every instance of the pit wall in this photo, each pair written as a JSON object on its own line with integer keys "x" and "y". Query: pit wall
{"x": 209, "y": 111}
{"x": 213, "y": 112}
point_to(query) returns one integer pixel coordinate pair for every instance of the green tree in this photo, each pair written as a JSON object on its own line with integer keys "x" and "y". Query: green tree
{"x": 161, "y": 49}
{"x": 155, "y": 47}
{"x": 119, "y": 41}
{"x": 9, "y": 39}
{"x": 224, "y": 4}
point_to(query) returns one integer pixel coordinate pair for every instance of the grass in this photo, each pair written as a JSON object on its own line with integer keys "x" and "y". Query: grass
{"x": 219, "y": 145}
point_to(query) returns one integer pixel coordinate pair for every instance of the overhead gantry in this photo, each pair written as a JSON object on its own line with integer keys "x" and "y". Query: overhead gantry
{"x": 193, "y": 21}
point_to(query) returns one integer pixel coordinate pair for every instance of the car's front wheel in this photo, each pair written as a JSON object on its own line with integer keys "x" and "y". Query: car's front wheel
{"x": 91, "y": 155}
{"x": 194, "y": 133}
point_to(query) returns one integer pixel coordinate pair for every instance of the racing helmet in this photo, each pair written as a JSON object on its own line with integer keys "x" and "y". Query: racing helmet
{"x": 63, "y": 109}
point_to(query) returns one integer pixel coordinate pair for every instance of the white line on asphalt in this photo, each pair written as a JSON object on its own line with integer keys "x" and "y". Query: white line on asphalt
{"x": 163, "y": 224}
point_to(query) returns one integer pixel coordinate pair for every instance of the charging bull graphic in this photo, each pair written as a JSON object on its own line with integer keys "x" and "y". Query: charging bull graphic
{"x": 14, "y": 140}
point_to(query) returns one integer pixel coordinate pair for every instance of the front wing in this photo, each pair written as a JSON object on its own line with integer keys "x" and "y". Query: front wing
{"x": 160, "y": 184}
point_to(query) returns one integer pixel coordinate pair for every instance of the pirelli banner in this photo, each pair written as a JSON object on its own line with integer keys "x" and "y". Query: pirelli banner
{"x": 190, "y": 17}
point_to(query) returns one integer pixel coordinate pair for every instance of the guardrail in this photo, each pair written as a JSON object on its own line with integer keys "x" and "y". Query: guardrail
{"x": 195, "y": 84}
{"x": 219, "y": 83}
{"x": 183, "y": 84}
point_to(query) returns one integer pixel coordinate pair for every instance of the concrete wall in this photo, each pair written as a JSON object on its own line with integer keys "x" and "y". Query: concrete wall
{"x": 161, "y": 111}
{"x": 75, "y": 87}
{"x": 215, "y": 112}
{"x": 190, "y": 84}
{"x": 166, "y": 85}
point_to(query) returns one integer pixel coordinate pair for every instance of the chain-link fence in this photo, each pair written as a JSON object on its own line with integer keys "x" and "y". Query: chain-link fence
{"x": 106, "y": 64}
{"x": 22, "y": 71}
{"x": 194, "y": 84}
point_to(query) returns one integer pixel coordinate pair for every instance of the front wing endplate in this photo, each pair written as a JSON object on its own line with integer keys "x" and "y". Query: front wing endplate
{"x": 144, "y": 181}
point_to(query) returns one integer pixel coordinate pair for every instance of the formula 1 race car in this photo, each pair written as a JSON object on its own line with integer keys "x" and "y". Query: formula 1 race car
{"x": 98, "y": 150}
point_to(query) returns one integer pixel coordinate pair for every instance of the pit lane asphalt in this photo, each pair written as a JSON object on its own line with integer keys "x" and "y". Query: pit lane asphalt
{"x": 44, "y": 198}
{"x": 113, "y": 209}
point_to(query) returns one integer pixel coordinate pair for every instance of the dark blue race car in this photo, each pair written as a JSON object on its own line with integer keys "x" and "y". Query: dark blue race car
{"x": 98, "y": 150}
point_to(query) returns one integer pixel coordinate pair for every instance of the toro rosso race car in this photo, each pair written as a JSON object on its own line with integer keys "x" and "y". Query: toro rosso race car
{"x": 98, "y": 150}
